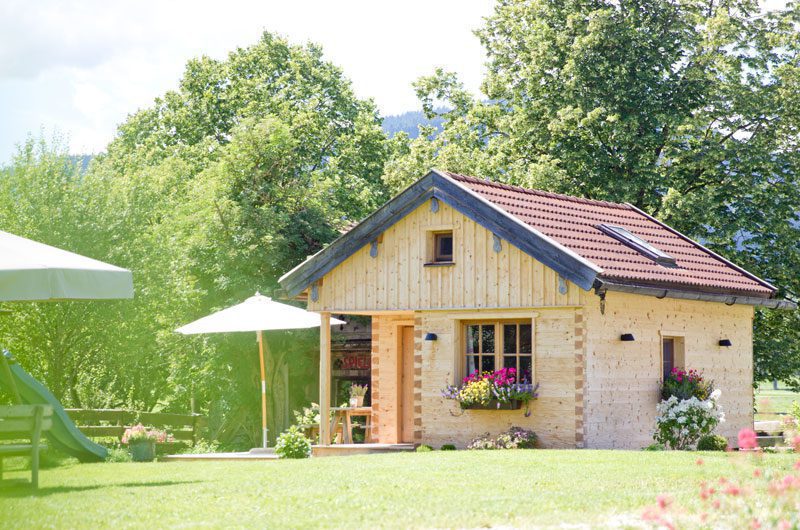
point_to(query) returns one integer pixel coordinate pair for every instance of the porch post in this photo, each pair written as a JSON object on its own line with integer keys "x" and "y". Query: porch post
{"x": 324, "y": 378}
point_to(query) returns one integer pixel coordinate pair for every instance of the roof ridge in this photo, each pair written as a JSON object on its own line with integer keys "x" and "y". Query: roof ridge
{"x": 541, "y": 193}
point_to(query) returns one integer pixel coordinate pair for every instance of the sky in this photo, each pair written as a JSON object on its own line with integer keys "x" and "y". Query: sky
{"x": 78, "y": 68}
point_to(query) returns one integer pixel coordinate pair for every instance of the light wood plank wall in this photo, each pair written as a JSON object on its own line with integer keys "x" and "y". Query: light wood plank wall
{"x": 396, "y": 279}
{"x": 622, "y": 378}
{"x": 552, "y": 415}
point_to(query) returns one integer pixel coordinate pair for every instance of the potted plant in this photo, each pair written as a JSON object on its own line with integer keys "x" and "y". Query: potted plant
{"x": 357, "y": 393}
{"x": 497, "y": 390}
{"x": 141, "y": 442}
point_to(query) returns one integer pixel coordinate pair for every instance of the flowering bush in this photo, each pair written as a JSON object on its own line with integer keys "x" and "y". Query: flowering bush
{"x": 307, "y": 416}
{"x": 514, "y": 438}
{"x": 292, "y": 443}
{"x": 681, "y": 422}
{"x": 686, "y": 384}
{"x": 759, "y": 498}
{"x": 140, "y": 433}
{"x": 500, "y": 386}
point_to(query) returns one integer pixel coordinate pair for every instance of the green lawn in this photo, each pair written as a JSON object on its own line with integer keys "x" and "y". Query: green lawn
{"x": 769, "y": 401}
{"x": 439, "y": 489}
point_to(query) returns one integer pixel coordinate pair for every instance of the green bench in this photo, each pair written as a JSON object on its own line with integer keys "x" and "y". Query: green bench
{"x": 20, "y": 423}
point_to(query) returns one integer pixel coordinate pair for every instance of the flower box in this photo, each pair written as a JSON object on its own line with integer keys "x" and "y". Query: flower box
{"x": 494, "y": 405}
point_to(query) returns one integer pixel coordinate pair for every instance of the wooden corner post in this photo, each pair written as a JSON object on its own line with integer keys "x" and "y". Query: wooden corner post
{"x": 324, "y": 378}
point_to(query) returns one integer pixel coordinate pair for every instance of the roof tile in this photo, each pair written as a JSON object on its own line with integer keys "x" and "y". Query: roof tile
{"x": 573, "y": 221}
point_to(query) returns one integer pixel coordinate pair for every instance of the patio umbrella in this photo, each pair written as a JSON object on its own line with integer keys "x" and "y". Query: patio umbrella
{"x": 258, "y": 313}
{"x": 35, "y": 271}
{"x": 32, "y": 271}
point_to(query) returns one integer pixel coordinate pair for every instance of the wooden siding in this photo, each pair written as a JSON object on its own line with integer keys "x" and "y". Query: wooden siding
{"x": 622, "y": 378}
{"x": 552, "y": 415}
{"x": 397, "y": 278}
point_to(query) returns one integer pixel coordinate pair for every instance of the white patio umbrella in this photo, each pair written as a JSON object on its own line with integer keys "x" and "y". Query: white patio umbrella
{"x": 258, "y": 313}
{"x": 32, "y": 271}
{"x": 35, "y": 271}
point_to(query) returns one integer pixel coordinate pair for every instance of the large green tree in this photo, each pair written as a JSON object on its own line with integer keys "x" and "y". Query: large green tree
{"x": 687, "y": 109}
{"x": 252, "y": 163}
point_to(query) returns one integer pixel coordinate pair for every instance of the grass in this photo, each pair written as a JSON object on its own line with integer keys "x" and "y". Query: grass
{"x": 437, "y": 489}
{"x": 769, "y": 401}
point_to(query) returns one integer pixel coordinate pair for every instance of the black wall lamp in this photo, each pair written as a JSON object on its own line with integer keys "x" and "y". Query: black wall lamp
{"x": 627, "y": 337}
{"x": 431, "y": 336}
{"x": 725, "y": 342}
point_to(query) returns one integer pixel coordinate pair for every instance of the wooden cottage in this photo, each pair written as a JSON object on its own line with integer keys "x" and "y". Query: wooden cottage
{"x": 596, "y": 299}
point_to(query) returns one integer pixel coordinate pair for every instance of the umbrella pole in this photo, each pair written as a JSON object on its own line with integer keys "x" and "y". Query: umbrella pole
{"x": 263, "y": 390}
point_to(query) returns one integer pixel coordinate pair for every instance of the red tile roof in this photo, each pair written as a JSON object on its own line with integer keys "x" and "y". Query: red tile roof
{"x": 572, "y": 222}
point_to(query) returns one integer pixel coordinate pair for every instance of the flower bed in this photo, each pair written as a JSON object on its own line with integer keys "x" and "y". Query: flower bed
{"x": 498, "y": 390}
{"x": 689, "y": 410}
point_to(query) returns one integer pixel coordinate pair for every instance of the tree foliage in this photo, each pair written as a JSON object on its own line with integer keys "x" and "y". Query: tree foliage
{"x": 222, "y": 185}
{"x": 687, "y": 109}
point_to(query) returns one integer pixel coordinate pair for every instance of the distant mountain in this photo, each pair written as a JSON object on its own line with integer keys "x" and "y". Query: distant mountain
{"x": 408, "y": 122}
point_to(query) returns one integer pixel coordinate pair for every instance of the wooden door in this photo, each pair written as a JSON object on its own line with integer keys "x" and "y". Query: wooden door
{"x": 405, "y": 399}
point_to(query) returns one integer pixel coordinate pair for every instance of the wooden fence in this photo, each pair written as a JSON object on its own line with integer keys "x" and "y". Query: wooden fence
{"x": 111, "y": 423}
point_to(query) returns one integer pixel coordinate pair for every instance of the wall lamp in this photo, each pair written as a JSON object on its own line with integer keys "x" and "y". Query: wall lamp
{"x": 431, "y": 336}
{"x": 627, "y": 337}
{"x": 725, "y": 342}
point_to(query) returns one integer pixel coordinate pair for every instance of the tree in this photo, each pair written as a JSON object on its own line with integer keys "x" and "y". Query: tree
{"x": 686, "y": 109}
{"x": 268, "y": 153}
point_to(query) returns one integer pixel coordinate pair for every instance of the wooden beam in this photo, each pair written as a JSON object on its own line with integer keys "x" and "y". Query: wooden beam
{"x": 324, "y": 378}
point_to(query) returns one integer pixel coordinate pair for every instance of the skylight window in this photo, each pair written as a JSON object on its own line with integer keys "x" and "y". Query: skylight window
{"x": 638, "y": 244}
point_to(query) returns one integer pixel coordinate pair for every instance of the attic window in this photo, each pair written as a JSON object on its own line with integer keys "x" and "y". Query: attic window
{"x": 638, "y": 244}
{"x": 443, "y": 247}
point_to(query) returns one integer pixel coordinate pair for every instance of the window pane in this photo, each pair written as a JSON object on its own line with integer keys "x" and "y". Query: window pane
{"x": 472, "y": 364}
{"x": 473, "y": 333}
{"x": 487, "y": 336}
{"x": 446, "y": 245}
{"x": 669, "y": 356}
{"x": 525, "y": 365}
{"x": 510, "y": 361}
{"x": 525, "y": 338}
{"x": 487, "y": 364}
{"x": 509, "y": 338}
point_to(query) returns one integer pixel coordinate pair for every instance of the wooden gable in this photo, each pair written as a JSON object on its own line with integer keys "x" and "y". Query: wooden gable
{"x": 394, "y": 275}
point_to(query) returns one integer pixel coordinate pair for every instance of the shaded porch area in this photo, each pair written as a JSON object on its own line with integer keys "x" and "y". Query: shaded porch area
{"x": 393, "y": 418}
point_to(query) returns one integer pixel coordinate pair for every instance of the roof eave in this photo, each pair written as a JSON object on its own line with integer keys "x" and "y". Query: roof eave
{"x": 602, "y": 285}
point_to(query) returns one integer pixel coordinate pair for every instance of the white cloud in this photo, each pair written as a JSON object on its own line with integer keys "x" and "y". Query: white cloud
{"x": 81, "y": 67}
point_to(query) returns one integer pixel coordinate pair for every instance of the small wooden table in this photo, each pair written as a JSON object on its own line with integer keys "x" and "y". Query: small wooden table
{"x": 345, "y": 415}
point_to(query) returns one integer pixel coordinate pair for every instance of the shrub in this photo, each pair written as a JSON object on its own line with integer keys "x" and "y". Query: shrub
{"x": 201, "y": 447}
{"x": 685, "y": 384}
{"x": 654, "y": 447}
{"x": 712, "y": 442}
{"x": 514, "y": 438}
{"x": 681, "y": 423}
{"x": 307, "y": 416}
{"x": 292, "y": 443}
{"x": 424, "y": 448}
{"x": 448, "y": 447}
{"x": 140, "y": 433}
{"x": 118, "y": 454}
